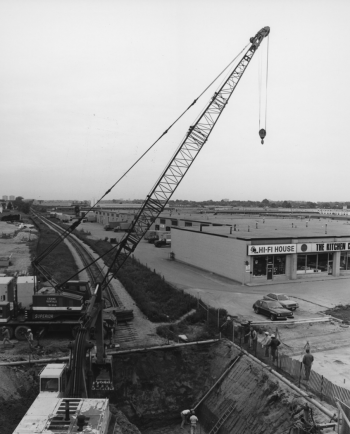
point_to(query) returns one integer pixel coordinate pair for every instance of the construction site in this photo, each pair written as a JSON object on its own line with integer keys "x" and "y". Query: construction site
{"x": 180, "y": 322}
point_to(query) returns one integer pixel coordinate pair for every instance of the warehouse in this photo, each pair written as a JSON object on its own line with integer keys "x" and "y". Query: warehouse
{"x": 255, "y": 251}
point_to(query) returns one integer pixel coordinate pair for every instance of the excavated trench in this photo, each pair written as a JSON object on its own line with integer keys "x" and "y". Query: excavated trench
{"x": 153, "y": 387}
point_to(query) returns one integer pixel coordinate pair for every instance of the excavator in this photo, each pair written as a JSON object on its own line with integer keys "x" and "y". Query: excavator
{"x": 64, "y": 403}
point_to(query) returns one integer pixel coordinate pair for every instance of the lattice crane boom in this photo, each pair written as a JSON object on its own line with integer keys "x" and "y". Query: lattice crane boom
{"x": 182, "y": 160}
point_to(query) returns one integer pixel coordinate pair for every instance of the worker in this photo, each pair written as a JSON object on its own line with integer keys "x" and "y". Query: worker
{"x": 6, "y": 337}
{"x": 308, "y": 360}
{"x": 253, "y": 337}
{"x": 185, "y": 414}
{"x": 265, "y": 343}
{"x": 193, "y": 421}
{"x": 30, "y": 339}
{"x": 274, "y": 343}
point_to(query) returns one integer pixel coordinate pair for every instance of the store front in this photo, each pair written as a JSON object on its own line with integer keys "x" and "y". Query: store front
{"x": 271, "y": 261}
{"x": 298, "y": 260}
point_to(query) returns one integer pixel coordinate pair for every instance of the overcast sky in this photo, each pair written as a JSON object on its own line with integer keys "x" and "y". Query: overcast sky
{"x": 87, "y": 86}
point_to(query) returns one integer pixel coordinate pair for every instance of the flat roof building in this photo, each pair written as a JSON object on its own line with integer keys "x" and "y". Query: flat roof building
{"x": 255, "y": 250}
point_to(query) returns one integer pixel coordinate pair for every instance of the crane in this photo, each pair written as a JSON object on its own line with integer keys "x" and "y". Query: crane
{"x": 99, "y": 373}
{"x": 188, "y": 150}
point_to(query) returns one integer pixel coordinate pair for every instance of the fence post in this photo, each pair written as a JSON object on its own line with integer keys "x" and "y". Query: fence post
{"x": 322, "y": 388}
{"x": 218, "y": 318}
{"x": 301, "y": 367}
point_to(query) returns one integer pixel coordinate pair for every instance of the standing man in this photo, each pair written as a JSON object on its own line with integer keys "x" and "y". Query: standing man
{"x": 307, "y": 362}
{"x": 193, "y": 421}
{"x": 250, "y": 334}
{"x": 266, "y": 343}
{"x": 6, "y": 337}
{"x": 30, "y": 339}
{"x": 274, "y": 343}
{"x": 185, "y": 414}
{"x": 254, "y": 340}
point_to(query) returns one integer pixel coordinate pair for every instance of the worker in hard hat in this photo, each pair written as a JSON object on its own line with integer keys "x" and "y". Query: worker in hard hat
{"x": 6, "y": 337}
{"x": 30, "y": 339}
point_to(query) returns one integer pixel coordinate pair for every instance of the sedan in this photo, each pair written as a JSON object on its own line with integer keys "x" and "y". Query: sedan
{"x": 285, "y": 301}
{"x": 272, "y": 309}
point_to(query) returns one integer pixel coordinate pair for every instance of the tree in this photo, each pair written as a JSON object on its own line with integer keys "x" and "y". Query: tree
{"x": 286, "y": 204}
{"x": 265, "y": 202}
{"x": 9, "y": 205}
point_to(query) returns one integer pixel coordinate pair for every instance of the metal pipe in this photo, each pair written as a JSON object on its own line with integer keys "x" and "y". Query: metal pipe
{"x": 343, "y": 413}
{"x": 163, "y": 347}
{"x": 299, "y": 321}
{"x": 222, "y": 376}
{"x": 34, "y": 362}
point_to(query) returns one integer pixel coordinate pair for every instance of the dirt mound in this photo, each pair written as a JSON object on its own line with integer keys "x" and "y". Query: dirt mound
{"x": 18, "y": 389}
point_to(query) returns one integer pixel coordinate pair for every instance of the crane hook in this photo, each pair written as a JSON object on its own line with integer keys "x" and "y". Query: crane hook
{"x": 262, "y": 134}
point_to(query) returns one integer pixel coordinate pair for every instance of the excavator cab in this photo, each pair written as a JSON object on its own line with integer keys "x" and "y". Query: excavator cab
{"x": 52, "y": 379}
{"x": 102, "y": 373}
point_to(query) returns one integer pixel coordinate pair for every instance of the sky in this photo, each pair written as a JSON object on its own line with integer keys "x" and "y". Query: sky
{"x": 87, "y": 86}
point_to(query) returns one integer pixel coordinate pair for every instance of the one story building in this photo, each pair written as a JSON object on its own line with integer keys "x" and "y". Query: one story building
{"x": 258, "y": 250}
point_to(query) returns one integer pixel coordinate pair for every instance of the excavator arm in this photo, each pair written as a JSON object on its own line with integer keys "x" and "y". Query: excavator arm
{"x": 170, "y": 179}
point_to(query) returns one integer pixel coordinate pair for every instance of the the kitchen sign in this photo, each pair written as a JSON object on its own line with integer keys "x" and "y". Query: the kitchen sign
{"x": 334, "y": 246}
{"x": 272, "y": 249}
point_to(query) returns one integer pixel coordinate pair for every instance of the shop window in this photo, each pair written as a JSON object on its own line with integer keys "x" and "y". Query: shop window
{"x": 301, "y": 264}
{"x": 311, "y": 263}
{"x": 279, "y": 264}
{"x": 259, "y": 266}
{"x": 345, "y": 261}
{"x": 162, "y": 221}
{"x": 322, "y": 262}
{"x": 188, "y": 223}
{"x": 174, "y": 222}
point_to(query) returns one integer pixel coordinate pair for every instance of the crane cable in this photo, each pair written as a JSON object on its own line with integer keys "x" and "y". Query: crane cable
{"x": 69, "y": 230}
{"x": 263, "y": 93}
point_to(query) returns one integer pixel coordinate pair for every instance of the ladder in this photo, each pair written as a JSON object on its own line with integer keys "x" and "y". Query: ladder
{"x": 222, "y": 419}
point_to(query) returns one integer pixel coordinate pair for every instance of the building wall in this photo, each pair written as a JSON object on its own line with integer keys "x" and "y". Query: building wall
{"x": 221, "y": 255}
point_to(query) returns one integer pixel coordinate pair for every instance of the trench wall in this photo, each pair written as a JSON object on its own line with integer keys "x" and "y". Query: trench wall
{"x": 152, "y": 388}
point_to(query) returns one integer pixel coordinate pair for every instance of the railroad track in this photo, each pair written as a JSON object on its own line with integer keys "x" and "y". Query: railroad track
{"x": 125, "y": 332}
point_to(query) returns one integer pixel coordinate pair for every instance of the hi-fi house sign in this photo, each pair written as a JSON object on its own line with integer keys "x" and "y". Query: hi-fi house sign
{"x": 272, "y": 249}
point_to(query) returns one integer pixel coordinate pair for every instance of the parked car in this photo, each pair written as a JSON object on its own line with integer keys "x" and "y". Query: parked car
{"x": 161, "y": 243}
{"x": 285, "y": 301}
{"x": 272, "y": 309}
{"x": 107, "y": 228}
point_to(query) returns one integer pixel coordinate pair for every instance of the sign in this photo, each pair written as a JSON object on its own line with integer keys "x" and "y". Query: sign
{"x": 272, "y": 249}
{"x": 51, "y": 301}
{"x": 323, "y": 247}
{"x": 247, "y": 268}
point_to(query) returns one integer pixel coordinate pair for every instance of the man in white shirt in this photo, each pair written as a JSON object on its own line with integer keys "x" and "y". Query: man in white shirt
{"x": 193, "y": 421}
{"x": 184, "y": 416}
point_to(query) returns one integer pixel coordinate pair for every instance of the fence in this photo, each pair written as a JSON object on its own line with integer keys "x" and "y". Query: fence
{"x": 291, "y": 368}
{"x": 317, "y": 384}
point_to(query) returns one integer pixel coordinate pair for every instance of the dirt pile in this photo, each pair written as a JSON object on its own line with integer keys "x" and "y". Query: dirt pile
{"x": 18, "y": 389}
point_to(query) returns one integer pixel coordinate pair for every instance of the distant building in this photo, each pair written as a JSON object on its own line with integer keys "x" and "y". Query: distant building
{"x": 5, "y": 197}
{"x": 12, "y": 197}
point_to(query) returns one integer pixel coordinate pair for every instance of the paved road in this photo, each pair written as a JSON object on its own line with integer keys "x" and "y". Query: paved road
{"x": 218, "y": 291}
